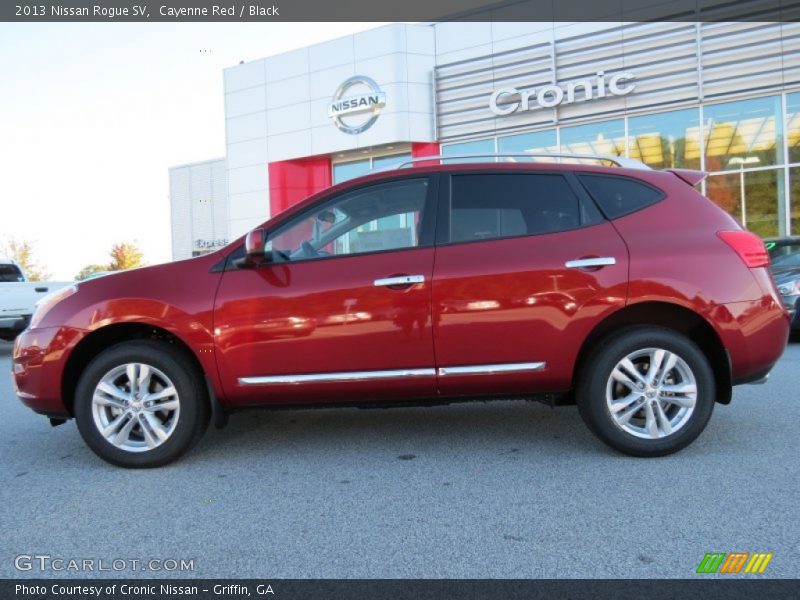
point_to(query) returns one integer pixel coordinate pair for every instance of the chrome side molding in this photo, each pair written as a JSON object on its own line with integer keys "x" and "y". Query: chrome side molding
{"x": 393, "y": 374}
{"x": 399, "y": 280}
{"x": 332, "y": 377}
{"x": 584, "y": 263}
{"x": 492, "y": 369}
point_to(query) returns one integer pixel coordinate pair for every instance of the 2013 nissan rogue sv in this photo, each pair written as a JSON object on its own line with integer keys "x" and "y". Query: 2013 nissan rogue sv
{"x": 620, "y": 289}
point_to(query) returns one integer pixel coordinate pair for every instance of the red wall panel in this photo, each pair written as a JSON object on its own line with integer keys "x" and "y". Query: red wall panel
{"x": 420, "y": 149}
{"x": 292, "y": 180}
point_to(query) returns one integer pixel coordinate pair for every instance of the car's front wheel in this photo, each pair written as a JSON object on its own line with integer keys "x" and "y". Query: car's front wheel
{"x": 646, "y": 391}
{"x": 141, "y": 404}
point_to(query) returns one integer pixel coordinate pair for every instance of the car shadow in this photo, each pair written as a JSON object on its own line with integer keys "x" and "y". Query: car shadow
{"x": 500, "y": 427}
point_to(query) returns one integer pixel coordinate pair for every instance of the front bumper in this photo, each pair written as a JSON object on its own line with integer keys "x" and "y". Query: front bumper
{"x": 38, "y": 363}
{"x": 14, "y": 324}
{"x": 792, "y": 306}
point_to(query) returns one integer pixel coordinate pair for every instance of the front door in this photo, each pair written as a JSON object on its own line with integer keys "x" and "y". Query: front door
{"x": 341, "y": 309}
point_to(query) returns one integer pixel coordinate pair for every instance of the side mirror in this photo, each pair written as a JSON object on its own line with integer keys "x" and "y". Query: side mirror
{"x": 254, "y": 245}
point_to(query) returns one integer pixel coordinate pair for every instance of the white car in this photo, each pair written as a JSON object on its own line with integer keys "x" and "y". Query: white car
{"x": 18, "y": 297}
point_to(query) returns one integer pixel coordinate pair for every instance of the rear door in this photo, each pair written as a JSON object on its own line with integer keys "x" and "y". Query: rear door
{"x": 525, "y": 267}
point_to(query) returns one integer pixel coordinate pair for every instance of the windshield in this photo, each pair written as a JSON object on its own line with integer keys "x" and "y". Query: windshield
{"x": 9, "y": 273}
{"x": 784, "y": 255}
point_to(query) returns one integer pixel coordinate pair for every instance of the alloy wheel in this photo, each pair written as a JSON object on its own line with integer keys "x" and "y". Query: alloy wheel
{"x": 135, "y": 407}
{"x": 651, "y": 393}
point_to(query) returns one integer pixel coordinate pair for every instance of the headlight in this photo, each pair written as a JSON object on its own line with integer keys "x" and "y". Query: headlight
{"x": 790, "y": 288}
{"x": 45, "y": 303}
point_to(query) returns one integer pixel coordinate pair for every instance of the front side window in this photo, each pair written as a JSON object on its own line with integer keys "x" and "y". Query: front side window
{"x": 372, "y": 219}
{"x": 492, "y": 206}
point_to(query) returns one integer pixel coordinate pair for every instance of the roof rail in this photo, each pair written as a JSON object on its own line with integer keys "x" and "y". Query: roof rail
{"x": 619, "y": 161}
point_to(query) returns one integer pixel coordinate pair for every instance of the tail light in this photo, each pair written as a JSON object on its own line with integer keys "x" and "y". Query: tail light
{"x": 748, "y": 246}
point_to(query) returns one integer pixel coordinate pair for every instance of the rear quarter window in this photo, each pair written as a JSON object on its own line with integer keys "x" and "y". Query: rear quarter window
{"x": 619, "y": 196}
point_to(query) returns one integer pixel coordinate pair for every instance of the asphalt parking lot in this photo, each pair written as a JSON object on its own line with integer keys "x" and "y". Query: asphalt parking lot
{"x": 507, "y": 489}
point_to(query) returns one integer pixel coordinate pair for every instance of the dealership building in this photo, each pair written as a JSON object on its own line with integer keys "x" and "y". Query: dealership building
{"x": 722, "y": 97}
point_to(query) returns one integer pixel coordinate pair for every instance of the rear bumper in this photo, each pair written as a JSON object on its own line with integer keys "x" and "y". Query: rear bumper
{"x": 754, "y": 333}
{"x": 38, "y": 365}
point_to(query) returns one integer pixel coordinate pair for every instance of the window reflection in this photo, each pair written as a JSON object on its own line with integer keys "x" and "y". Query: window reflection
{"x": 596, "y": 138}
{"x": 794, "y": 182}
{"x": 666, "y": 140}
{"x": 746, "y": 132}
{"x": 539, "y": 142}
{"x": 793, "y": 127}
{"x": 484, "y": 147}
{"x": 387, "y": 162}
{"x": 345, "y": 171}
{"x": 350, "y": 170}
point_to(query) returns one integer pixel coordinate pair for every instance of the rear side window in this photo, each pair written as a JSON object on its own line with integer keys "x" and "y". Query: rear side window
{"x": 620, "y": 196}
{"x": 490, "y": 206}
{"x": 10, "y": 273}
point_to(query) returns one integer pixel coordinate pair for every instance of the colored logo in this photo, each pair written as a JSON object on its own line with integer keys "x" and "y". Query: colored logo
{"x": 734, "y": 562}
{"x": 355, "y": 113}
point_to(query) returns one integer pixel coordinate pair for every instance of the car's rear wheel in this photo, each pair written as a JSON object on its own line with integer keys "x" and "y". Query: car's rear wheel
{"x": 141, "y": 404}
{"x": 646, "y": 391}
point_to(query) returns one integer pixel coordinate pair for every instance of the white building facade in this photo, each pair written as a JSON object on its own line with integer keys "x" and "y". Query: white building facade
{"x": 720, "y": 97}
{"x": 199, "y": 207}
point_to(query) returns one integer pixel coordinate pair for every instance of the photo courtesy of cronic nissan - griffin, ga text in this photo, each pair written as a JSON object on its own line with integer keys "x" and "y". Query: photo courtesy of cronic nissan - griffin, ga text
{"x": 582, "y": 280}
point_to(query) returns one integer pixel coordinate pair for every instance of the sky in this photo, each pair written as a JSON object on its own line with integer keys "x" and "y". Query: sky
{"x": 93, "y": 115}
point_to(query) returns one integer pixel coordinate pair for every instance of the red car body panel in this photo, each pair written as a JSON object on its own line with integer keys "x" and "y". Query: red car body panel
{"x": 500, "y": 301}
{"x": 513, "y": 301}
{"x": 347, "y": 324}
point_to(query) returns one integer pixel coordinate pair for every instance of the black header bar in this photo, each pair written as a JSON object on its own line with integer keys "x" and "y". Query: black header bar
{"x": 398, "y": 589}
{"x": 230, "y": 11}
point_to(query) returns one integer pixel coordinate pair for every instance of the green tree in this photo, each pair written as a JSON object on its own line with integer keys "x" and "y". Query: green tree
{"x": 125, "y": 256}
{"x": 21, "y": 251}
{"x": 90, "y": 270}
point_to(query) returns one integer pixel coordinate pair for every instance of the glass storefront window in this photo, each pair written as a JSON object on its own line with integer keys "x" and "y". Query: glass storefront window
{"x": 666, "y": 140}
{"x": 539, "y": 142}
{"x": 793, "y": 128}
{"x": 350, "y": 170}
{"x": 345, "y": 171}
{"x": 756, "y": 198}
{"x": 485, "y": 147}
{"x": 742, "y": 134}
{"x": 794, "y": 183}
{"x": 386, "y": 162}
{"x": 606, "y": 138}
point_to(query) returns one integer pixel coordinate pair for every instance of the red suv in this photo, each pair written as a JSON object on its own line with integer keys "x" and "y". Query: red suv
{"x": 623, "y": 290}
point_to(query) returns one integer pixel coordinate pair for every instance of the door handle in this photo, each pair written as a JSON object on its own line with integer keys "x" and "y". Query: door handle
{"x": 588, "y": 263}
{"x": 399, "y": 280}
{"x": 41, "y": 289}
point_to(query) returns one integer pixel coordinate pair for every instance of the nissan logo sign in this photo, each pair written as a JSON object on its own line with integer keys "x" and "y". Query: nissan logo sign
{"x": 356, "y": 112}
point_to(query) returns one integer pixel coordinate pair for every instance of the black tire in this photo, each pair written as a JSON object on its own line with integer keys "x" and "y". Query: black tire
{"x": 594, "y": 376}
{"x": 187, "y": 380}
